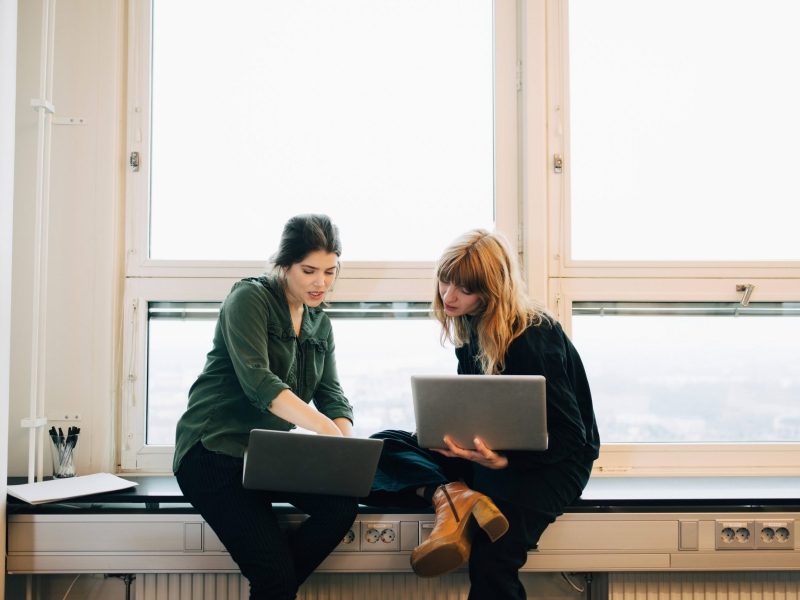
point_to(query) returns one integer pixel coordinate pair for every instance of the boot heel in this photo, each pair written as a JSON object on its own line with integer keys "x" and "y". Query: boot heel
{"x": 491, "y": 520}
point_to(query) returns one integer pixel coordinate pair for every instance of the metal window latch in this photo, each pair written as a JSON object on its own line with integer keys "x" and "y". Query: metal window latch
{"x": 558, "y": 163}
{"x": 133, "y": 161}
{"x": 746, "y": 289}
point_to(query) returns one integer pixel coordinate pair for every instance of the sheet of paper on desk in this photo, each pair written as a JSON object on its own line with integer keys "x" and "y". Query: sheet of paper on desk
{"x": 69, "y": 487}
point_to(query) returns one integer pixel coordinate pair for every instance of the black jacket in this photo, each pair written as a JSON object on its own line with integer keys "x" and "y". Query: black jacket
{"x": 574, "y": 441}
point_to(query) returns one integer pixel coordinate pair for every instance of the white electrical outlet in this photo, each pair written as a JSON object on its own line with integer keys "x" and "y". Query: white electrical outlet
{"x": 380, "y": 537}
{"x": 774, "y": 535}
{"x": 388, "y": 535}
{"x": 735, "y": 535}
{"x": 372, "y": 535}
{"x": 351, "y": 542}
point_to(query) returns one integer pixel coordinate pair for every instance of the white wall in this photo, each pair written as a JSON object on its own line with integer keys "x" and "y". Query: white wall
{"x": 8, "y": 53}
{"x": 85, "y": 242}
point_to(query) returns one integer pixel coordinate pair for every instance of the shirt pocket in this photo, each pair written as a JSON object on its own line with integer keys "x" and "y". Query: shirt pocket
{"x": 314, "y": 352}
{"x": 278, "y": 333}
{"x": 281, "y": 353}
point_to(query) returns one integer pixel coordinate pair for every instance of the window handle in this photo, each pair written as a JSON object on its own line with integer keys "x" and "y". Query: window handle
{"x": 746, "y": 289}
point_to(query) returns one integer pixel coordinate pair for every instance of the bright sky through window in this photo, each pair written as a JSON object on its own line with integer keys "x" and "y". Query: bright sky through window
{"x": 683, "y": 129}
{"x": 377, "y": 113}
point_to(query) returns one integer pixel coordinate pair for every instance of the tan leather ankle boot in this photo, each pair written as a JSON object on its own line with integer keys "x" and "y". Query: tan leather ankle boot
{"x": 449, "y": 544}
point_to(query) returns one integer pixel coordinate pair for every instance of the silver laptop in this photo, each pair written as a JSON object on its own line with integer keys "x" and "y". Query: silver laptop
{"x": 508, "y": 412}
{"x": 280, "y": 461}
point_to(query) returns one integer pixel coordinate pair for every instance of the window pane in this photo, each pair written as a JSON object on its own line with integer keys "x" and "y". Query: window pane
{"x": 378, "y": 347}
{"x": 683, "y": 129}
{"x": 177, "y": 344}
{"x": 354, "y": 108}
{"x": 692, "y": 372}
{"x": 376, "y": 358}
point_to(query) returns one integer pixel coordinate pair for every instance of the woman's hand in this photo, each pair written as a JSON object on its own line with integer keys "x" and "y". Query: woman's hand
{"x": 290, "y": 408}
{"x": 483, "y": 455}
{"x": 328, "y": 428}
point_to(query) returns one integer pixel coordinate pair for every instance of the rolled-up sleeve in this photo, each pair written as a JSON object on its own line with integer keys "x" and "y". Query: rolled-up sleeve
{"x": 329, "y": 397}
{"x": 244, "y": 325}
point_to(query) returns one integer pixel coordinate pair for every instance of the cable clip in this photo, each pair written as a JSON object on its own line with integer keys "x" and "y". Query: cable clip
{"x": 39, "y": 104}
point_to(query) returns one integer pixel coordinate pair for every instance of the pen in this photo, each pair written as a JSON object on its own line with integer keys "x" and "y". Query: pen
{"x": 63, "y": 446}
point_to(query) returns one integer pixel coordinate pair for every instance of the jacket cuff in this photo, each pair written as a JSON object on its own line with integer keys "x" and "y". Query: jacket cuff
{"x": 268, "y": 390}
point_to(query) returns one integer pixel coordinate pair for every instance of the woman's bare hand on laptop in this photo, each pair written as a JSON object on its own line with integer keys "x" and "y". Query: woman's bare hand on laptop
{"x": 290, "y": 408}
{"x": 483, "y": 455}
{"x": 330, "y": 429}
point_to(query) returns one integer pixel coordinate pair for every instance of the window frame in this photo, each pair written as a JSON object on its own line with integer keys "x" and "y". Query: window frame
{"x": 138, "y": 264}
{"x": 148, "y": 280}
{"x": 561, "y": 263}
{"x": 532, "y": 204}
{"x": 665, "y": 459}
{"x": 568, "y": 280}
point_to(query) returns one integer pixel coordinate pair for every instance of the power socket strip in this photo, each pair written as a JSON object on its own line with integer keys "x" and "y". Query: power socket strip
{"x": 774, "y": 535}
{"x": 755, "y": 535}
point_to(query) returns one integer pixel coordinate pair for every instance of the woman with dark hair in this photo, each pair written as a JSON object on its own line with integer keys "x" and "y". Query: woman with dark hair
{"x": 272, "y": 354}
{"x": 492, "y": 506}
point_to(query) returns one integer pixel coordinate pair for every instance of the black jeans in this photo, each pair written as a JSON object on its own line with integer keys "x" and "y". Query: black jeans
{"x": 493, "y": 567}
{"x": 275, "y": 563}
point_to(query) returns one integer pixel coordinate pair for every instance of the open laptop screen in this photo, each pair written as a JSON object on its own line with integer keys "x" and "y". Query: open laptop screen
{"x": 280, "y": 461}
{"x": 508, "y": 412}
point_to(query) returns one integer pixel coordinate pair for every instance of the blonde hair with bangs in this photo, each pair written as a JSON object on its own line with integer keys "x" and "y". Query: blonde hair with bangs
{"x": 482, "y": 263}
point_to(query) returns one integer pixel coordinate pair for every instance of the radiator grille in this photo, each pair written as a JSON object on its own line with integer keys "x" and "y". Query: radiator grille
{"x": 704, "y": 586}
{"x": 403, "y": 586}
{"x": 339, "y": 586}
{"x": 190, "y": 586}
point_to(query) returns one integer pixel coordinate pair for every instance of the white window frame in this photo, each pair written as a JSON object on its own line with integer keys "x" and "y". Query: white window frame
{"x": 561, "y": 264}
{"x": 148, "y": 280}
{"x": 532, "y": 209}
{"x": 569, "y": 280}
{"x": 681, "y": 459}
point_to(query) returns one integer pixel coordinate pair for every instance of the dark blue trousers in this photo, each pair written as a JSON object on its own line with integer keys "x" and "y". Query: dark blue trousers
{"x": 275, "y": 562}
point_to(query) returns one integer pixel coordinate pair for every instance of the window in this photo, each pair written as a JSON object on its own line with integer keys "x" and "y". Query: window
{"x": 379, "y": 380}
{"x": 391, "y": 117}
{"x": 349, "y": 108}
{"x": 692, "y": 372}
{"x": 671, "y": 260}
{"x": 647, "y": 184}
{"x": 689, "y": 142}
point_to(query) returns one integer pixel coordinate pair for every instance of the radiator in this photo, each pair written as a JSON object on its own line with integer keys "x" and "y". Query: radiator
{"x": 405, "y": 586}
{"x": 339, "y": 586}
{"x": 704, "y": 586}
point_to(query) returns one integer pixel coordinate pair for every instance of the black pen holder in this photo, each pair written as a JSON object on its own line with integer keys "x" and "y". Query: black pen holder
{"x": 63, "y": 459}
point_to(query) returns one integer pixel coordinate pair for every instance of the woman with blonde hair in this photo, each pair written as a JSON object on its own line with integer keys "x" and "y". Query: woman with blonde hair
{"x": 491, "y": 506}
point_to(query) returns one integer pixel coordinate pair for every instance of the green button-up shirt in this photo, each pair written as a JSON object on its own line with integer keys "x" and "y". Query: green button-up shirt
{"x": 255, "y": 356}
